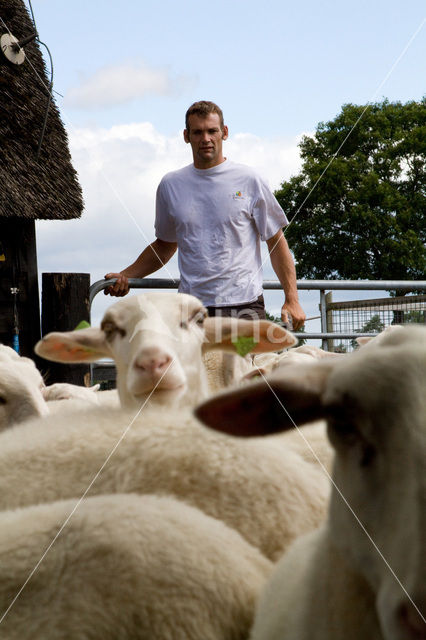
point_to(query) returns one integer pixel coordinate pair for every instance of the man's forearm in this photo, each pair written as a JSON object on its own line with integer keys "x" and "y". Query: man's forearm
{"x": 152, "y": 258}
{"x": 283, "y": 265}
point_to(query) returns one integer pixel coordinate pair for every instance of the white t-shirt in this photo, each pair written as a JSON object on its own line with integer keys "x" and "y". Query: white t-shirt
{"x": 217, "y": 217}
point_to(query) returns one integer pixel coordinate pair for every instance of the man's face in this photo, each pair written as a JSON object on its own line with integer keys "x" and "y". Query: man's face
{"x": 205, "y": 137}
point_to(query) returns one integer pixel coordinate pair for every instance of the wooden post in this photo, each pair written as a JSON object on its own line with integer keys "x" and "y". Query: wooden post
{"x": 65, "y": 303}
{"x": 328, "y": 301}
{"x": 18, "y": 272}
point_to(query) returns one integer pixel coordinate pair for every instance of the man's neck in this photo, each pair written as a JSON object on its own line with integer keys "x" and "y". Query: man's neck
{"x": 207, "y": 165}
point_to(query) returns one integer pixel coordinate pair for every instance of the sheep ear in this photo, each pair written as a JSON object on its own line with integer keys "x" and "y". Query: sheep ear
{"x": 269, "y": 406}
{"x": 362, "y": 340}
{"x": 84, "y": 345}
{"x": 245, "y": 336}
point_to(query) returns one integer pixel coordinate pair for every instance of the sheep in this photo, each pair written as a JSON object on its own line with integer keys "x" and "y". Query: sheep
{"x": 311, "y": 443}
{"x": 364, "y": 340}
{"x": 52, "y": 392}
{"x": 20, "y": 393}
{"x": 268, "y": 494}
{"x": 125, "y": 567}
{"x": 67, "y": 391}
{"x": 157, "y": 340}
{"x": 316, "y": 352}
{"x": 362, "y": 573}
{"x": 265, "y": 363}
{"x": 64, "y": 397}
{"x": 8, "y": 354}
{"x": 225, "y": 369}
{"x": 24, "y": 394}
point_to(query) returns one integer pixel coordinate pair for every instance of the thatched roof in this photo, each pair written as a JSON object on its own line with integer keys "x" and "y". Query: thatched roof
{"x": 46, "y": 187}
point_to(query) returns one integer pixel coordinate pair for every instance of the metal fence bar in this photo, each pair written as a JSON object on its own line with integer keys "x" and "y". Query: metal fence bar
{"x": 319, "y": 285}
{"x": 361, "y": 285}
{"x": 323, "y": 313}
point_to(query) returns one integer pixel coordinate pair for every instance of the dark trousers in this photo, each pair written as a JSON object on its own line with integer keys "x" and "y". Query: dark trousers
{"x": 248, "y": 311}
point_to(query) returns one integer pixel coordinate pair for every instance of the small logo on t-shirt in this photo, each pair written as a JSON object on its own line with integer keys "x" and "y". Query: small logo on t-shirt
{"x": 237, "y": 195}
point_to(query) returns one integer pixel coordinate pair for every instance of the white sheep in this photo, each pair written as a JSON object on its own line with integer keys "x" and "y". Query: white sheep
{"x": 157, "y": 340}
{"x": 23, "y": 380}
{"x": 363, "y": 573}
{"x": 265, "y": 363}
{"x": 67, "y": 391}
{"x": 268, "y": 494}
{"x": 9, "y": 354}
{"x": 125, "y": 567}
{"x": 225, "y": 369}
{"x": 20, "y": 393}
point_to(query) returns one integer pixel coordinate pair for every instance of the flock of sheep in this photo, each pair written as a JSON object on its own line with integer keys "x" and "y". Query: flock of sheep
{"x": 148, "y": 513}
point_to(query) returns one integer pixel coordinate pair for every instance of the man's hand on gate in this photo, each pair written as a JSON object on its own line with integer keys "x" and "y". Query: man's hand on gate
{"x": 119, "y": 288}
{"x": 296, "y": 313}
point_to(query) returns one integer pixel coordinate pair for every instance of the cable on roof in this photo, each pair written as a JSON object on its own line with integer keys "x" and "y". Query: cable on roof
{"x": 19, "y": 45}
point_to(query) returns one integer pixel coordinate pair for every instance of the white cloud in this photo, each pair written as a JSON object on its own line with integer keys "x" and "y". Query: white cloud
{"x": 118, "y": 84}
{"x": 275, "y": 158}
{"x": 119, "y": 170}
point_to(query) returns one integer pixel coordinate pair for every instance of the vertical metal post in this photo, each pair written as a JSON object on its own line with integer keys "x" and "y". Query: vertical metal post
{"x": 323, "y": 312}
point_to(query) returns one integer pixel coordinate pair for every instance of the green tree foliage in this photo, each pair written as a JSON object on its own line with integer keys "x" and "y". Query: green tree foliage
{"x": 415, "y": 316}
{"x": 363, "y": 217}
{"x": 373, "y": 325}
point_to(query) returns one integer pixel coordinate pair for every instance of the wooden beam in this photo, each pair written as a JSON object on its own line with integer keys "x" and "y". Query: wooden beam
{"x": 65, "y": 303}
{"x": 18, "y": 270}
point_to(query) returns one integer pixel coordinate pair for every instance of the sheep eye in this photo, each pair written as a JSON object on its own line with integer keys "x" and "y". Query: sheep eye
{"x": 110, "y": 329}
{"x": 199, "y": 317}
{"x": 2, "y": 400}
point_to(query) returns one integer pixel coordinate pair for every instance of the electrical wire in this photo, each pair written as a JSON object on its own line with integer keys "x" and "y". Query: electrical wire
{"x": 32, "y": 16}
{"x": 48, "y": 88}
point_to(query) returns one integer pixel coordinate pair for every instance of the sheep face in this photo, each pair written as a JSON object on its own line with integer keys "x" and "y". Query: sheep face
{"x": 375, "y": 403}
{"x": 155, "y": 344}
{"x": 20, "y": 393}
{"x": 376, "y": 407}
{"x": 157, "y": 340}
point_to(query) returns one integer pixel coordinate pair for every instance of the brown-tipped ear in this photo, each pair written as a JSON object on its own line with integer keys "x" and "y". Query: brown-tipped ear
{"x": 254, "y": 373}
{"x": 265, "y": 336}
{"x": 363, "y": 340}
{"x": 250, "y": 411}
{"x": 84, "y": 345}
{"x": 262, "y": 408}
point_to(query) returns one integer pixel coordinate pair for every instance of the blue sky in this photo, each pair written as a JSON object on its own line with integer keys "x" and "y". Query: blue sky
{"x": 277, "y": 68}
{"x": 128, "y": 71}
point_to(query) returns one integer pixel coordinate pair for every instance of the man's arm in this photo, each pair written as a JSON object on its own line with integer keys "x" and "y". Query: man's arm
{"x": 151, "y": 259}
{"x": 283, "y": 265}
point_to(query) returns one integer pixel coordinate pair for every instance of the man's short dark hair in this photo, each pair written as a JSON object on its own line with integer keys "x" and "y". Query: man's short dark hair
{"x": 203, "y": 108}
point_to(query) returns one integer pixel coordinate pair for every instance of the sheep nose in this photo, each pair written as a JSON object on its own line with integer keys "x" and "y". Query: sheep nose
{"x": 153, "y": 361}
{"x": 413, "y": 622}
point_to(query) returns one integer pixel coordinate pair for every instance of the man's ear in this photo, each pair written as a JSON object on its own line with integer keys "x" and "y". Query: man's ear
{"x": 186, "y": 135}
{"x": 225, "y": 132}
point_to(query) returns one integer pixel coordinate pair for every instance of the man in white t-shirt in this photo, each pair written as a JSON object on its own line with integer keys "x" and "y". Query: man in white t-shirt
{"x": 216, "y": 213}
